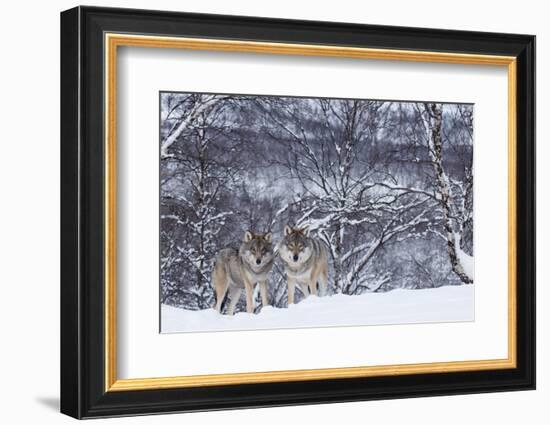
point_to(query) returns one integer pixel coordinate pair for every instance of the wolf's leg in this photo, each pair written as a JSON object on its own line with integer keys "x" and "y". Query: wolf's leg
{"x": 291, "y": 285}
{"x": 313, "y": 283}
{"x": 220, "y": 286}
{"x": 234, "y": 295}
{"x": 220, "y": 296}
{"x": 249, "y": 288}
{"x": 263, "y": 291}
{"x": 323, "y": 280}
{"x": 304, "y": 288}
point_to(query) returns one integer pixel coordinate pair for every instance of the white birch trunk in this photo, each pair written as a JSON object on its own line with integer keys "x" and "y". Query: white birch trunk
{"x": 434, "y": 113}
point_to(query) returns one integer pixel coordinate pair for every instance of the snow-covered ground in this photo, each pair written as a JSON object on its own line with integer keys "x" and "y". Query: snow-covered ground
{"x": 445, "y": 304}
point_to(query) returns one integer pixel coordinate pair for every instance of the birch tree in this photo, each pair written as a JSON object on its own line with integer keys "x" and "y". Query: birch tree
{"x": 454, "y": 217}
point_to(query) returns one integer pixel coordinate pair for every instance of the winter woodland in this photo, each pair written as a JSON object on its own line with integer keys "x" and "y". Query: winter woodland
{"x": 386, "y": 185}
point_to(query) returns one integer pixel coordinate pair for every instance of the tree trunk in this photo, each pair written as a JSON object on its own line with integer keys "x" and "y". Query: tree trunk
{"x": 434, "y": 112}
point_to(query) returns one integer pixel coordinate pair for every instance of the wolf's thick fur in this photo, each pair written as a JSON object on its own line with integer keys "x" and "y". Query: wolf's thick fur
{"x": 235, "y": 270}
{"x": 305, "y": 260}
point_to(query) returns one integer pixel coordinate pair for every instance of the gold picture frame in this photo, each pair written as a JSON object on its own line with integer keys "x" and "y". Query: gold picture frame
{"x": 114, "y": 41}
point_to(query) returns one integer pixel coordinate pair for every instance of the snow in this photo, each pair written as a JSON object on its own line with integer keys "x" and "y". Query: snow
{"x": 467, "y": 262}
{"x": 401, "y": 306}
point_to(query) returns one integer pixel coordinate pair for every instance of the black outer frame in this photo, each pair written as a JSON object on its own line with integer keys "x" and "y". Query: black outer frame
{"x": 82, "y": 218}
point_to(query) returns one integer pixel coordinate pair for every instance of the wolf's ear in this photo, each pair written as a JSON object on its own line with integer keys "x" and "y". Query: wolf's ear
{"x": 288, "y": 230}
{"x": 248, "y": 236}
{"x": 305, "y": 230}
{"x": 267, "y": 236}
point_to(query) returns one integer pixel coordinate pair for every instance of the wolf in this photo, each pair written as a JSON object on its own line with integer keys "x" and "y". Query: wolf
{"x": 305, "y": 260}
{"x": 238, "y": 269}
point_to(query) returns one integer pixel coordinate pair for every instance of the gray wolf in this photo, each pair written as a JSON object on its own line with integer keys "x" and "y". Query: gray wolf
{"x": 305, "y": 260}
{"x": 238, "y": 269}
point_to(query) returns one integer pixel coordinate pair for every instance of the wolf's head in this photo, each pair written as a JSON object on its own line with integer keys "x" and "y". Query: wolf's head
{"x": 296, "y": 247}
{"x": 257, "y": 249}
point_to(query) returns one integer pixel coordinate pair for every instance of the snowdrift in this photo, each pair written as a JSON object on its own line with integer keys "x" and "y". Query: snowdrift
{"x": 401, "y": 306}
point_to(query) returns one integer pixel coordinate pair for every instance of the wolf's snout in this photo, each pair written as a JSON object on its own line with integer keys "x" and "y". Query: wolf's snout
{"x": 295, "y": 257}
{"x": 258, "y": 261}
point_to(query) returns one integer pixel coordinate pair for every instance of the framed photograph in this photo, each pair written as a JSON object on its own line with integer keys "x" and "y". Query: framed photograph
{"x": 261, "y": 212}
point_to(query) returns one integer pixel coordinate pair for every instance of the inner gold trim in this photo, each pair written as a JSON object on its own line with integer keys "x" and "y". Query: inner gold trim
{"x": 113, "y": 41}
